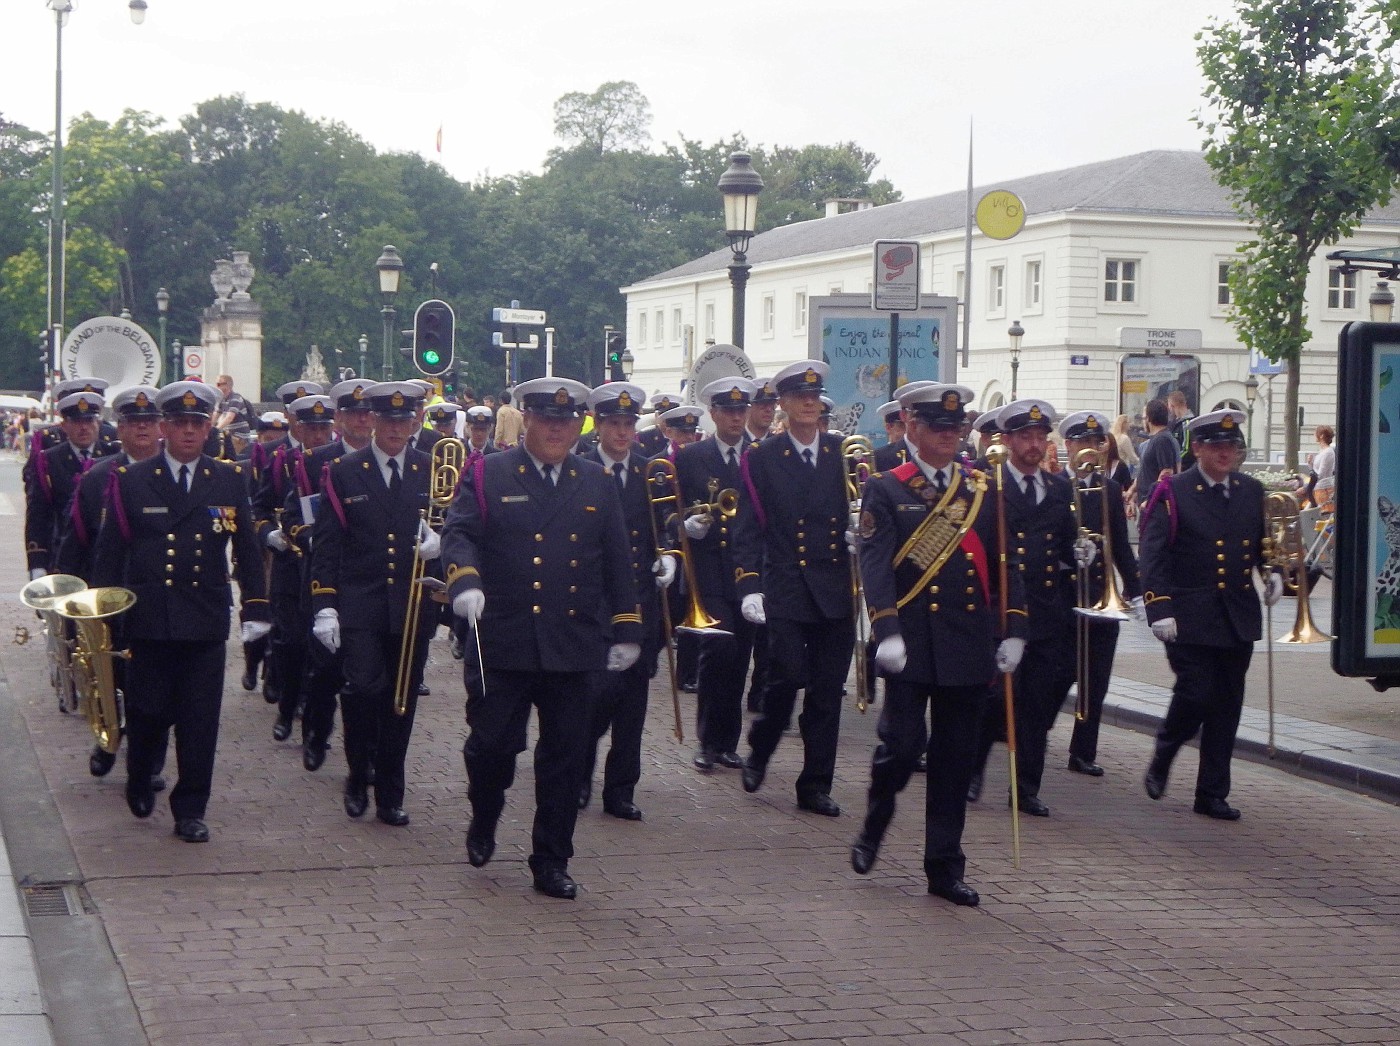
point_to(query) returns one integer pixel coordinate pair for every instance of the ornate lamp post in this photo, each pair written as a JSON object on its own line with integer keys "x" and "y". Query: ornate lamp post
{"x": 1016, "y": 332}
{"x": 1382, "y": 303}
{"x": 628, "y": 362}
{"x": 364, "y": 355}
{"x": 740, "y": 186}
{"x": 163, "y": 307}
{"x": 390, "y": 268}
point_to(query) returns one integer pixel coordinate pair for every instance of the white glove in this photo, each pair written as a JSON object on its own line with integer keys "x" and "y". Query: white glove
{"x": 469, "y": 604}
{"x": 252, "y": 631}
{"x": 1165, "y": 629}
{"x": 1137, "y": 609}
{"x": 698, "y": 525}
{"x": 1085, "y": 552}
{"x": 326, "y": 628}
{"x": 851, "y": 542}
{"x": 622, "y": 656}
{"x": 1273, "y": 589}
{"x": 1009, "y": 654}
{"x": 891, "y": 655}
{"x": 35, "y": 573}
{"x": 665, "y": 570}
{"x": 752, "y": 609}
{"x": 429, "y": 543}
{"x": 277, "y": 541}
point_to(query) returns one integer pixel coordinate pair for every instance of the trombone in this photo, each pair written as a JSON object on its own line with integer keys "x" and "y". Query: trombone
{"x": 662, "y": 473}
{"x": 1111, "y": 606}
{"x": 857, "y": 452}
{"x": 449, "y": 455}
{"x": 665, "y": 475}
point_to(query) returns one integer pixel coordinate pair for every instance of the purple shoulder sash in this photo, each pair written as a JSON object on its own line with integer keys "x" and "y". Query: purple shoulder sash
{"x": 115, "y": 506}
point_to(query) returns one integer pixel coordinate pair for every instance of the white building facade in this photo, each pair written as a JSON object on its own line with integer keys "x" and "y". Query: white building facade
{"x": 1144, "y": 241}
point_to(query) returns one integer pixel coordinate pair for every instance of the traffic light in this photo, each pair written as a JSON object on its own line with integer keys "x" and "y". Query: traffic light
{"x": 433, "y": 334}
{"x": 616, "y": 345}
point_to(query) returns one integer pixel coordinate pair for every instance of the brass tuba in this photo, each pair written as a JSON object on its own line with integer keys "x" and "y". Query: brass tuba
{"x": 40, "y": 595}
{"x": 448, "y": 457}
{"x": 93, "y": 655}
{"x": 858, "y": 455}
{"x": 1287, "y": 553}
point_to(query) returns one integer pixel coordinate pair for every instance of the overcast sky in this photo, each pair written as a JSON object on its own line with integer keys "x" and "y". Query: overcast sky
{"x": 1048, "y": 84}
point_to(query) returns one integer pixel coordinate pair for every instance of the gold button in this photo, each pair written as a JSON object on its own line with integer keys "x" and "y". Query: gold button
{"x": 573, "y": 588}
{"x": 199, "y": 537}
{"x": 832, "y": 547}
{"x": 198, "y": 552}
{"x": 535, "y": 585}
{"x": 634, "y": 533}
{"x": 800, "y": 535}
{"x": 933, "y": 589}
{"x": 933, "y": 606}
{"x": 573, "y": 537}
{"x": 539, "y": 537}
{"x": 1220, "y": 570}
{"x": 573, "y": 562}
{"x": 1021, "y": 534}
{"x": 971, "y": 607}
{"x": 1020, "y": 552}
{"x": 538, "y": 561}
{"x": 1245, "y": 571}
{"x": 1219, "y": 544}
{"x": 170, "y": 552}
{"x": 169, "y": 537}
{"x": 1050, "y": 570}
{"x": 970, "y": 590}
{"x": 196, "y": 569}
{"x": 724, "y": 544}
{"x": 536, "y": 609}
{"x": 1220, "y": 585}
{"x": 801, "y": 562}
{"x": 1049, "y": 537}
{"x": 169, "y": 583}
{"x": 1245, "y": 542}
{"x": 391, "y": 566}
{"x": 170, "y": 568}
{"x": 390, "y": 537}
{"x": 1220, "y": 556}
{"x": 801, "y": 548}
{"x": 1049, "y": 584}
{"x": 391, "y": 550}
{"x": 391, "y": 581}
{"x": 571, "y": 612}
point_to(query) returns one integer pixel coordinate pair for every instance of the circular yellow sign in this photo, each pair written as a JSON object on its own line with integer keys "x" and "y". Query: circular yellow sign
{"x": 1000, "y": 214}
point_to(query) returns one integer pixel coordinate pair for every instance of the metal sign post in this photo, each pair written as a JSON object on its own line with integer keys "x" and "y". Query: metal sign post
{"x": 895, "y": 289}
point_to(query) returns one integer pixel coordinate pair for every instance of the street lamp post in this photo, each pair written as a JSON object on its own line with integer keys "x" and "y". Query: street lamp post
{"x": 364, "y": 355}
{"x": 628, "y": 361}
{"x": 1251, "y": 393}
{"x": 1382, "y": 303}
{"x": 740, "y": 186}
{"x": 390, "y": 268}
{"x": 1016, "y": 332}
{"x": 163, "y": 307}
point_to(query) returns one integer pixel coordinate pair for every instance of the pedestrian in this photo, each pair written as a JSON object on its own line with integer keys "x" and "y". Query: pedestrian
{"x": 1203, "y": 540}
{"x": 1160, "y": 455}
{"x": 535, "y": 553}
{"x": 1180, "y": 412}
{"x": 509, "y": 423}
{"x": 165, "y": 535}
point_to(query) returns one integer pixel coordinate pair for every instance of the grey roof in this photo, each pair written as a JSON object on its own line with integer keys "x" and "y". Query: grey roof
{"x": 1161, "y": 182}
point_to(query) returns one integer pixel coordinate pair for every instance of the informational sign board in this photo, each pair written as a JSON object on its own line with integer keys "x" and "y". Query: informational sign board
{"x": 1163, "y": 339}
{"x": 896, "y": 284}
{"x": 1261, "y": 364}
{"x": 1143, "y": 377}
{"x": 1000, "y": 214}
{"x": 1366, "y": 593}
{"x": 855, "y": 343}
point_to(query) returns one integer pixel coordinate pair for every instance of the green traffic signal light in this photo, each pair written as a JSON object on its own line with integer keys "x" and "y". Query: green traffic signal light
{"x": 431, "y": 357}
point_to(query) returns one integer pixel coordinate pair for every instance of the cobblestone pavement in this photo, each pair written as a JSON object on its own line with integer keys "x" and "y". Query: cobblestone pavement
{"x": 724, "y": 917}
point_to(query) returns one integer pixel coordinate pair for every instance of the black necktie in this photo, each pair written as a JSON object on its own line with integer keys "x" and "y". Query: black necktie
{"x": 548, "y": 473}
{"x": 395, "y": 480}
{"x": 734, "y": 458}
{"x": 185, "y": 478}
{"x": 807, "y": 456}
{"x": 1030, "y": 489}
{"x": 1221, "y": 491}
{"x": 940, "y": 484}
{"x": 620, "y": 471}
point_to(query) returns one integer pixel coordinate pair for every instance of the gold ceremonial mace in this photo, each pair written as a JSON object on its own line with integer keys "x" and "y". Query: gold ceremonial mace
{"x": 996, "y": 457}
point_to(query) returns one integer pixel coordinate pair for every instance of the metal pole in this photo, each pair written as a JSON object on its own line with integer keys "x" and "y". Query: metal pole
{"x": 364, "y": 353}
{"x": 162, "y": 342}
{"x": 57, "y": 318}
{"x": 1269, "y": 419}
{"x": 1015, "y": 366}
{"x": 549, "y": 352}
{"x": 967, "y": 259}
{"x": 388, "y": 313}
{"x": 738, "y": 278}
{"x": 894, "y": 353}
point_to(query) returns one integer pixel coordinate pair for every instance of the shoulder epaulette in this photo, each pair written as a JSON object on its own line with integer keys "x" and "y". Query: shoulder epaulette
{"x": 905, "y": 472}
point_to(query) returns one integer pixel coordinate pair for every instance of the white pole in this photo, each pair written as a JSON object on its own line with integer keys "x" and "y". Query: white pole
{"x": 549, "y": 352}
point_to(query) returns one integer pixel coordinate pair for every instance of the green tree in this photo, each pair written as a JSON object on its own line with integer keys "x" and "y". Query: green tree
{"x": 1300, "y": 128}
{"x": 615, "y": 116}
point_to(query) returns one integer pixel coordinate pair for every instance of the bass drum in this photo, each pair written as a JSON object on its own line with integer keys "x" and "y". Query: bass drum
{"x": 112, "y": 348}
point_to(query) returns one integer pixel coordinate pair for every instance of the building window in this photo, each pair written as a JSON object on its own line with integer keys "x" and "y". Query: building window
{"x": 1223, "y": 294}
{"x": 659, "y": 333}
{"x": 641, "y": 328}
{"x": 676, "y": 325}
{"x": 710, "y": 321}
{"x": 835, "y": 288}
{"x": 769, "y": 315}
{"x": 996, "y": 288}
{"x": 1120, "y": 277}
{"x": 1033, "y": 284}
{"x": 1341, "y": 290}
{"x": 799, "y": 311}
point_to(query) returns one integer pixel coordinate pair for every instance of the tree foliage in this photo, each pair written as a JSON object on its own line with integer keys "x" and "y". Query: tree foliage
{"x": 1300, "y": 128}
{"x": 151, "y": 206}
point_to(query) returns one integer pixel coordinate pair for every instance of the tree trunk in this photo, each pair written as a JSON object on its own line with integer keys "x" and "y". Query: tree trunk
{"x": 1290, "y": 417}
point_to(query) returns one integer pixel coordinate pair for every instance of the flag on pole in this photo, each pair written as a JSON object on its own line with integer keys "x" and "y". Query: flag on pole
{"x": 439, "y": 138}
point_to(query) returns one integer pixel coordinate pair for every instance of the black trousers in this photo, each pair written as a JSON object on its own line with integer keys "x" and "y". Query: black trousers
{"x": 1208, "y": 696}
{"x": 1103, "y": 643}
{"x": 291, "y": 632}
{"x": 1042, "y": 682}
{"x": 951, "y": 741}
{"x": 815, "y": 656}
{"x": 619, "y": 705}
{"x": 724, "y": 662}
{"x": 497, "y": 722}
{"x": 372, "y": 729}
{"x": 758, "y": 678}
{"x": 325, "y": 677}
{"x": 180, "y": 685}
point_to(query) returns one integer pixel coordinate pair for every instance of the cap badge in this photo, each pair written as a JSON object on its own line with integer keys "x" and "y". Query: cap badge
{"x": 561, "y": 397}
{"x": 301, "y": 391}
{"x": 1091, "y": 422}
{"x": 810, "y": 377}
{"x": 142, "y": 400}
{"x": 736, "y": 393}
{"x": 396, "y": 400}
{"x": 1227, "y": 422}
{"x": 951, "y": 400}
{"x": 625, "y": 400}
{"x": 189, "y": 399}
{"x": 1035, "y": 414}
{"x": 318, "y": 408}
{"x": 84, "y": 406}
{"x": 358, "y": 392}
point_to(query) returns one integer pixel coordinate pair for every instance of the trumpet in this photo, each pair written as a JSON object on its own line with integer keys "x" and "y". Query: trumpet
{"x": 449, "y": 455}
{"x": 41, "y": 596}
{"x": 722, "y": 503}
{"x": 857, "y": 452}
{"x": 93, "y": 658}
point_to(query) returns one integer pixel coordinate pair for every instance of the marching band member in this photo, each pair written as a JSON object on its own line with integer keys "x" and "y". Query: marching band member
{"x": 165, "y": 534}
{"x": 479, "y": 440}
{"x": 758, "y": 423}
{"x": 362, "y": 551}
{"x": 51, "y": 477}
{"x": 53, "y": 435}
{"x": 620, "y": 698}
{"x": 537, "y": 558}
{"x": 1203, "y": 539}
{"x": 655, "y": 440}
{"x": 1088, "y": 430}
{"x": 682, "y": 427}
{"x": 928, "y": 548}
{"x": 899, "y": 449}
{"x": 443, "y": 418}
{"x": 794, "y": 563}
{"x": 703, "y": 470}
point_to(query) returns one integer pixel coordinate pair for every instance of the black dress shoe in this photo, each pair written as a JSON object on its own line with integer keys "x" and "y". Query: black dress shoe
{"x": 863, "y": 854}
{"x": 481, "y": 844}
{"x": 192, "y": 830}
{"x": 1083, "y": 766}
{"x": 313, "y": 754}
{"x": 1154, "y": 784}
{"x": 369, "y": 774}
{"x": 423, "y": 690}
{"x": 250, "y": 679}
{"x": 958, "y": 892}
{"x": 392, "y": 815}
{"x": 555, "y": 882}
{"x": 921, "y": 767}
{"x": 272, "y": 693}
{"x": 754, "y": 703}
{"x": 157, "y": 783}
{"x": 282, "y": 729}
{"x": 140, "y": 801}
{"x": 585, "y": 795}
{"x": 1217, "y": 808}
{"x": 704, "y": 760}
{"x": 100, "y": 763}
{"x": 623, "y": 810}
{"x": 974, "y": 788}
{"x": 753, "y": 776}
{"x": 819, "y": 803}
{"x": 1032, "y": 806}
{"x": 732, "y": 760}
{"x": 356, "y": 799}
{"x": 690, "y": 688}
